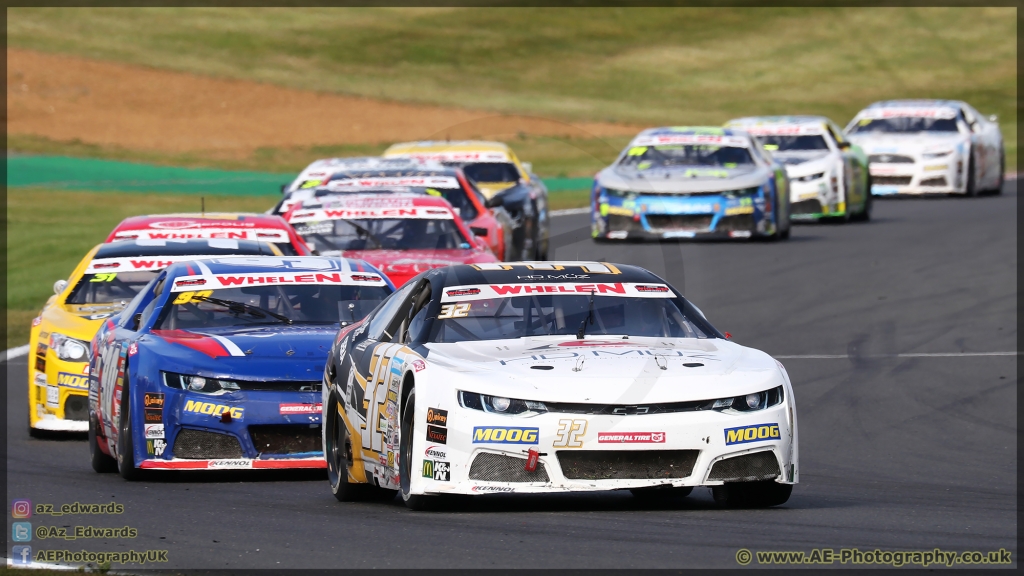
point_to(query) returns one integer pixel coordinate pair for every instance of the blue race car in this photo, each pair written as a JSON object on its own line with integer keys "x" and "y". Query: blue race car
{"x": 691, "y": 182}
{"x": 218, "y": 364}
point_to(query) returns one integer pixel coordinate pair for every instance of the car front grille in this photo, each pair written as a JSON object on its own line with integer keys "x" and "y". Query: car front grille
{"x": 300, "y": 385}
{"x": 937, "y": 181}
{"x": 890, "y": 159}
{"x": 202, "y": 445}
{"x": 489, "y": 467}
{"x": 684, "y": 222}
{"x": 619, "y": 222}
{"x": 746, "y": 468}
{"x": 76, "y": 408}
{"x": 623, "y": 409}
{"x": 891, "y": 180}
{"x": 811, "y": 206}
{"x": 286, "y": 438}
{"x": 626, "y": 464}
{"x": 738, "y": 223}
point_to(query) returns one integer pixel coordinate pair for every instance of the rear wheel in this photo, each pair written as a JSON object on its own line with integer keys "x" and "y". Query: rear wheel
{"x": 100, "y": 462}
{"x": 125, "y": 443}
{"x": 1002, "y": 173}
{"x": 972, "y": 189}
{"x": 865, "y": 213}
{"x": 751, "y": 494}
{"x": 339, "y": 455}
{"x": 407, "y": 432}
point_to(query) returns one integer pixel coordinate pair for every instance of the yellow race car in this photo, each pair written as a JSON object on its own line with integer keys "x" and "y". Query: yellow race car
{"x": 507, "y": 183}
{"x": 102, "y": 284}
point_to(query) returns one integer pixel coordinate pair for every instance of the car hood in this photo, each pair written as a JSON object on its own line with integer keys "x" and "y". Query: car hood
{"x": 682, "y": 179}
{"x": 489, "y": 189}
{"x": 78, "y": 321}
{"x": 605, "y": 369}
{"x": 906, "y": 143}
{"x": 401, "y": 265}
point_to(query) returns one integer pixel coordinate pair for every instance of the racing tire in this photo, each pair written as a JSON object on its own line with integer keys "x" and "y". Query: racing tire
{"x": 101, "y": 463}
{"x": 660, "y": 493}
{"x": 751, "y": 494}
{"x": 407, "y": 433}
{"x": 125, "y": 442}
{"x": 971, "y": 189}
{"x": 338, "y": 452}
{"x": 1002, "y": 173}
{"x": 865, "y": 213}
{"x": 33, "y": 432}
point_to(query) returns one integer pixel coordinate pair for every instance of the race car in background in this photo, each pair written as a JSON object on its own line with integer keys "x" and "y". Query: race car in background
{"x": 502, "y": 178}
{"x": 319, "y": 171}
{"x": 218, "y": 364}
{"x": 523, "y": 378}
{"x": 828, "y": 176}
{"x": 102, "y": 284}
{"x": 401, "y": 234}
{"x": 494, "y": 226}
{"x": 930, "y": 146}
{"x": 691, "y": 182}
{"x": 237, "y": 226}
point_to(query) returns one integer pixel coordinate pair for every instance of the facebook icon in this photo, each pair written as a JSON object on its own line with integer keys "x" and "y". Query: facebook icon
{"x": 21, "y": 555}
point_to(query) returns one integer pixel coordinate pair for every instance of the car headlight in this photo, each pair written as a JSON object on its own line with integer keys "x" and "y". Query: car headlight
{"x": 746, "y": 402}
{"x": 810, "y": 177}
{"x": 199, "y": 384}
{"x": 936, "y": 154}
{"x": 69, "y": 349}
{"x": 499, "y": 404}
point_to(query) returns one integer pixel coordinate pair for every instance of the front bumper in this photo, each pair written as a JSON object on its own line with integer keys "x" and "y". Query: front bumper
{"x": 934, "y": 176}
{"x": 58, "y": 393}
{"x": 815, "y": 199}
{"x": 590, "y": 453}
{"x": 684, "y": 216}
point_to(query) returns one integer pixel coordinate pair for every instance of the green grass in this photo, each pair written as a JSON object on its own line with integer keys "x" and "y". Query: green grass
{"x": 643, "y": 65}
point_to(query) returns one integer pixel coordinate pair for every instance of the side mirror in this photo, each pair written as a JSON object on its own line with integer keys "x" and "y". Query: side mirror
{"x": 528, "y": 167}
{"x": 495, "y": 201}
{"x": 59, "y": 286}
{"x": 284, "y": 188}
{"x": 843, "y": 145}
{"x": 136, "y": 322}
{"x": 481, "y": 232}
{"x": 993, "y": 118}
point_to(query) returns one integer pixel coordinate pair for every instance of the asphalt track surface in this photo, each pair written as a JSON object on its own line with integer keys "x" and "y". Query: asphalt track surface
{"x": 897, "y": 452}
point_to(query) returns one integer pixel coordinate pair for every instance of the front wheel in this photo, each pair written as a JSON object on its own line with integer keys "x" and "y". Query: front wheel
{"x": 751, "y": 494}
{"x": 972, "y": 189}
{"x": 339, "y": 455}
{"x": 125, "y": 443}
{"x": 865, "y": 214}
{"x": 100, "y": 462}
{"x": 407, "y": 432}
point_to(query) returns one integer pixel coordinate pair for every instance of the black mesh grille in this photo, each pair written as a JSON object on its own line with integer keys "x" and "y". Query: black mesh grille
{"x": 202, "y": 445}
{"x": 811, "y": 206}
{"x": 76, "y": 408}
{"x": 305, "y": 386}
{"x": 746, "y": 468}
{"x": 286, "y": 438}
{"x": 738, "y": 223}
{"x": 891, "y": 180}
{"x": 695, "y": 222}
{"x": 890, "y": 159}
{"x": 619, "y": 222}
{"x": 937, "y": 181}
{"x": 626, "y": 465}
{"x": 490, "y": 467}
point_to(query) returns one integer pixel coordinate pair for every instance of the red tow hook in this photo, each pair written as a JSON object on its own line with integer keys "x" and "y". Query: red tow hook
{"x": 532, "y": 457}
{"x": 225, "y": 418}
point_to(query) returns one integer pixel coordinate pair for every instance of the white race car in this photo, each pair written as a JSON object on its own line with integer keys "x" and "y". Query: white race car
{"x": 828, "y": 176}
{"x": 929, "y": 146}
{"x": 538, "y": 377}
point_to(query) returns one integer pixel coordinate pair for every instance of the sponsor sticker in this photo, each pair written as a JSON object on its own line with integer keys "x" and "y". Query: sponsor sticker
{"x": 437, "y": 416}
{"x": 505, "y": 435}
{"x": 215, "y": 281}
{"x": 492, "y": 489}
{"x": 437, "y": 470}
{"x": 153, "y": 415}
{"x": 619, "y": 289}
{"x": 383, "y": 182}
{"x": 691, "y": 139}
{"x": 152, "y": 400}
{"x": 237, "y": 463}
{"x": 133, "y": 349}
{"x": 154, "y": 431}
{"x": 436, "y": 452}
{"x": 69, "y": 380}
{"x": 408, "y": 213}
{"x": 755, "y": 433}
{"x": 630, "y": 437}
{"x": 437, "y": 434}
{"x": 458, "y": 156}
{"x": 213, "y": 409}
{"x": 300, "y": 408}
{"x": 784, "y": 129}
{"x": 265, "y": 234}
{"x": 907, "y": 112}
{"x": 159, "y": 445}
{"x": 418, "y": 365}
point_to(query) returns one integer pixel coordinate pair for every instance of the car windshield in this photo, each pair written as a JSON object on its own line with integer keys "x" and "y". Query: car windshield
{"x": 543, "y": 315}
{"x": 492, "y": 172}
{"x": 274, "y": 304}
{"x": 644, "y": 157}
{"x": 105, "y": 287}
{"x": 788, "y": 143}
{"x": 903, "y": 125}
{"x": 382, "y": 234}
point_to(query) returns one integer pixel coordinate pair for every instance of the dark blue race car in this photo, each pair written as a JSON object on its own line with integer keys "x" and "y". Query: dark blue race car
{"x": 218, "y": 364}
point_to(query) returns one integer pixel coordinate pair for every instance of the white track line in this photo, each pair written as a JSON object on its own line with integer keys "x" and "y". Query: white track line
{"x": 16, "y": 352}
{"x": 569, "y": 212}
{"x": 909, "y": 355}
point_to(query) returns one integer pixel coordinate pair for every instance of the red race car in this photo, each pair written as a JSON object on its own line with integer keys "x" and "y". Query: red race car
{"x": 489, "y": 221}
{"x": 226, "y": 225}
{"x": 401, "y": 234}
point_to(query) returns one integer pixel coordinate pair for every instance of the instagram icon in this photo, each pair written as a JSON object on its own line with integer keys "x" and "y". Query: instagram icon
{"x": 21, "y": 509}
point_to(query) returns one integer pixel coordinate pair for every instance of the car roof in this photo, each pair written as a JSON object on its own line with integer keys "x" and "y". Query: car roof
{"x": 918, "y": 103}
{"x": 197, "y": 220}
{"x": 542, "y": 272}
{"x": 362, "y": 199}
{"x": 761, "y": 120}
{"x": 691, "y": 131}
{"x": 189, "y": 247}
{"x": 689, "y": 134}
{"x": 491, "y": 151}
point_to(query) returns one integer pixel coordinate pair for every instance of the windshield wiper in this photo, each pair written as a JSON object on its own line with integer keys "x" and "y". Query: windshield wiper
{"x": 237, "y": 307}
{"x": 370, "y": 235}
{"x": 590, "y": 318}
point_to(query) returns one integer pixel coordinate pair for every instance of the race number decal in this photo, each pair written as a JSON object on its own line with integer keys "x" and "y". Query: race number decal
{"x": 454, "y": 311}
{"x": 104, "y": 277}
{"x": 570, "y": 433}
{"x": 186, "y": 297}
